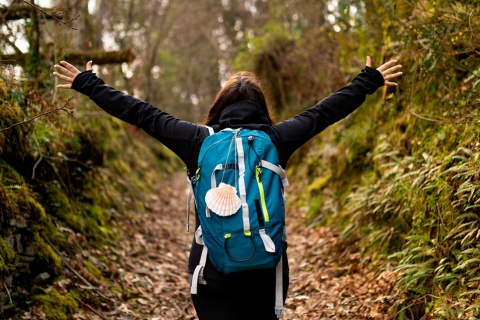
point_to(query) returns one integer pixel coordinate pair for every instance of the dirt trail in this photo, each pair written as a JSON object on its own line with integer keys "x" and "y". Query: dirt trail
{"x": 327, "y": 280}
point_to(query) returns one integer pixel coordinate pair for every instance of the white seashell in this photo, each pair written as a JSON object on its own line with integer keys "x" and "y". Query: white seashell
{"x": 223, "y": 200}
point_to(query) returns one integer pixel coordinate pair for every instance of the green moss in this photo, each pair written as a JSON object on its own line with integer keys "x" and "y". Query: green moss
{"x": 116, "y": 288}
{"x": 9, "y": 176}
{"x": 36, "y": 210}
{"x": 93, "y": 269}
{"x": 57, "y": 306}
{"x": 96, "y": 213}
{"x": 319, "y": 183}
{"x": 59, "y": 205}
{"x": 7, "y": 255}
{"x": 48, "y": 256}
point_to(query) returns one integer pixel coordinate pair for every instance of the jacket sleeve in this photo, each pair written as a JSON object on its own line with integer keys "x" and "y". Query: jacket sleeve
{"x": 177, "y": 135}
{"x": 295, "y": 132}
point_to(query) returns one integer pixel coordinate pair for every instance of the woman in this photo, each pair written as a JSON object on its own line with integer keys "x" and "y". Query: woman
{"x": 240, "y": 103}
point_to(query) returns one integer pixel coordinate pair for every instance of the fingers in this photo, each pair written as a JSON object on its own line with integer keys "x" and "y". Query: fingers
{"x": 387, "y": 65}
{"x": 64, "y": 86}
{"x": 68, "y": 72}
{"x": 392, "y": 70}
{"x": 369, "y": 62}
{"x": 69, "y": 67}
{"x": 63, "y": 70}
{"x": 390, "y": 84}
{"x": 64, "y": 77}
{"x": 393, "y": 75}
{"x": 389, "y": 70}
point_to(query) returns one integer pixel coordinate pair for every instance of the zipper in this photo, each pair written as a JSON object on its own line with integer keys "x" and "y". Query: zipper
{"x": 258, "y": 172}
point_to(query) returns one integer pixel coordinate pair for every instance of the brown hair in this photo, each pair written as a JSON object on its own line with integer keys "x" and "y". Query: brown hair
{"x": 241, "y": 86}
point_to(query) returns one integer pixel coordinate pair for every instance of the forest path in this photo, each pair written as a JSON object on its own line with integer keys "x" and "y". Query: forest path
{"x": 327, "y": 281}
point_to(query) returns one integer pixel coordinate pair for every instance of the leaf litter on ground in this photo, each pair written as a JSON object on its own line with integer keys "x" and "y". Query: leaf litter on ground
{"x": 147, "y": 271}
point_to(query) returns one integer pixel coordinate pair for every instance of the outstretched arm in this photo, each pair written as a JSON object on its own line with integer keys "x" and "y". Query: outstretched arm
{"x": 295, "y": 132}
{"x": 179, "y": 136}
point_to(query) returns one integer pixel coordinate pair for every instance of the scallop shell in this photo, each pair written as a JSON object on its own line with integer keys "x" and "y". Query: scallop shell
{"x": 223, "y": 200}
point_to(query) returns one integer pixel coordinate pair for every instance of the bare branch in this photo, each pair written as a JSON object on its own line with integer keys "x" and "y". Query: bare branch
{"x": 67, "y": 108}
{"x": 65, "y": 23}
{"x": 22, "y": 11}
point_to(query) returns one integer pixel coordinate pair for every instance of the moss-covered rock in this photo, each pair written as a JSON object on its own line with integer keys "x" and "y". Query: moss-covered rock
{"x": 47, "y": 257}
{"x": 7, "y": 255}
{"x": 57, "y": 306}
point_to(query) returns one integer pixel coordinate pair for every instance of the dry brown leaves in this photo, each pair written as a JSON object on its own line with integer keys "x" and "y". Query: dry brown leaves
{"x": 147, "y": 272}
{"x": 330, "y": 280}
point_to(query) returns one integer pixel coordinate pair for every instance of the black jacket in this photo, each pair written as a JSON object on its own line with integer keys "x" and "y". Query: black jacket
{"x": 185, "y": 138}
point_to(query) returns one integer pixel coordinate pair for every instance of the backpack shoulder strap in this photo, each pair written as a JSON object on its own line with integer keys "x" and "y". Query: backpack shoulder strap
{"x": 207, "y": 130}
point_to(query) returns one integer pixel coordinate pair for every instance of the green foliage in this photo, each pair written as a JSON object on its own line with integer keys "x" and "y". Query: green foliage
{"x": 401, "y": 175}
{"x": 60, "y": 176}
{"x": 57, "y": 306}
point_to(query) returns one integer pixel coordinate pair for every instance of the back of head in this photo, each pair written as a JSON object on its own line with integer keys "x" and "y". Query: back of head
{"x": 241, "y": 86}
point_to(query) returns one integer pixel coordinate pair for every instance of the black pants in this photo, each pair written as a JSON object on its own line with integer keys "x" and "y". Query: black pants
{"x": 247, "y": 295}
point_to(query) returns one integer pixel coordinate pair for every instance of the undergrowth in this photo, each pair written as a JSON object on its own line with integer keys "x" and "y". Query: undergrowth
{"x": 401, "y": 175}
{"x": 61, "y": 176}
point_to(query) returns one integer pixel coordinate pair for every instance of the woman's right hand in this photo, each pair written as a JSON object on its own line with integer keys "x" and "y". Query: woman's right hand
{"x": 68, "y": 72}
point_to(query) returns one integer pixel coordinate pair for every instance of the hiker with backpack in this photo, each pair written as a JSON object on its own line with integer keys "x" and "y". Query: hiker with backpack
{"x": 235, "y": 163}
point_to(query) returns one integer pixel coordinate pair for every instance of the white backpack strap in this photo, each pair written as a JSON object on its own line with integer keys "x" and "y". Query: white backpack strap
{"x": 277, "y": 169}
{"x": 197, "y": 277}
{"x": 213, "y": 184}
{"x": 279, "y": 309}
{"x": 198, "y": 236}
{"x": 267, "y": 241}
{"x": 241, "y": 185}
{"x": 213, "y": 180}
{"x": 210, "y": 130}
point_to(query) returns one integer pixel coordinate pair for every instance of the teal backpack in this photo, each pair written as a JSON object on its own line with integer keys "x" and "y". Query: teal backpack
{"x": 238, "y": 191}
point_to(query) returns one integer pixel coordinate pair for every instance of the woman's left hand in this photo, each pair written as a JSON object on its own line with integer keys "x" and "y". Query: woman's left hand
{"x": 68, "y": 73}
{"x": 388, "y": 70}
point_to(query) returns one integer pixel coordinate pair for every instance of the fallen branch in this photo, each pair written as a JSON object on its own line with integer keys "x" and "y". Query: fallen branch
{"x": 8, "y": 292}
{"x": 98, "y": 313}
{"x": 79, "y": 57}
{"x": 429, "y": 119}
{"x": 67, "y": 108}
